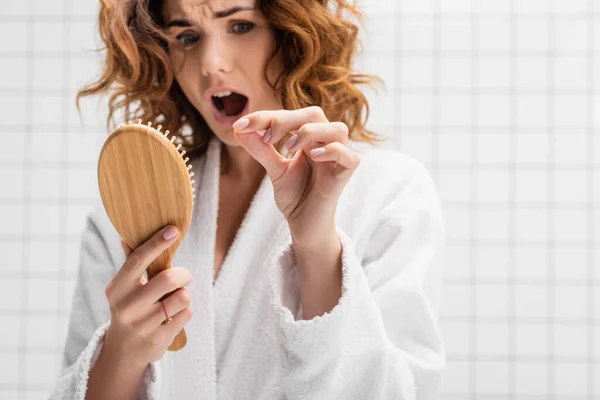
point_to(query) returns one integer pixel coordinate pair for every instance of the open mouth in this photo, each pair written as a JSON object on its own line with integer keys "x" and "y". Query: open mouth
{"x": 229, "y": 104}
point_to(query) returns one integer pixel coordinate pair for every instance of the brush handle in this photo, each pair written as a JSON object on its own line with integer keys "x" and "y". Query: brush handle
{"x": 161, "y": 263}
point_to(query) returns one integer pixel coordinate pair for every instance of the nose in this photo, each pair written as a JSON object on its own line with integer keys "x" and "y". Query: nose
{"x": 216, "y": 57}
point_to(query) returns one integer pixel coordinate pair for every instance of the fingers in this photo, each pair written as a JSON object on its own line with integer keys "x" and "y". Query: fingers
{"x": 312, "y": 133}
{"x": 141, "y": 306}
{"x": 165, "y": 282}
{"x": 176, "y": 302}
{"x": 142, "y": 280}
{"x": 139, "y": 259}
{"x": 279, "y": 122}
{"x": 273, "y": 162}
{"x": 173, "y": 328}
{"x": 347, "y": 159}
{"x": 307, "y": 124}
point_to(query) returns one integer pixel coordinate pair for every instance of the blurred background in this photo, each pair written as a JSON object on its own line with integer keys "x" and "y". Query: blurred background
{"x": 499, "y": 99}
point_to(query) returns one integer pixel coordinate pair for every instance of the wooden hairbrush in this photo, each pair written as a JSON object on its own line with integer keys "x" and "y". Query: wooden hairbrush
{"x": 145, "y": 184}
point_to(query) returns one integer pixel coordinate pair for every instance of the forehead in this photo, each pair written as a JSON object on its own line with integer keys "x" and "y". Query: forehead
{"x": 200, "y": 9}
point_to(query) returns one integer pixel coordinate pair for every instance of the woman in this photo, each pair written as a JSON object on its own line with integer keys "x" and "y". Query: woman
{"x": 313, "y": 274}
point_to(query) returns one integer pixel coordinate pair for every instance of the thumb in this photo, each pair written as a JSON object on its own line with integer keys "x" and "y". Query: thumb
{"x": 265, "y": 154}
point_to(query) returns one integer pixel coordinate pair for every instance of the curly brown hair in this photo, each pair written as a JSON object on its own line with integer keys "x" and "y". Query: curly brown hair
{"x": 318, "y": 48}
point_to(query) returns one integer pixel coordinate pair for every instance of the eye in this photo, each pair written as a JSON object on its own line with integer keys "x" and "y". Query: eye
{"x": 187, "y": 39}
{"x": 242, "y": 27}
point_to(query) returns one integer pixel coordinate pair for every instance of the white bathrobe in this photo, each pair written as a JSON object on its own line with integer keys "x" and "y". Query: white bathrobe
{"x": 246, "y": 339}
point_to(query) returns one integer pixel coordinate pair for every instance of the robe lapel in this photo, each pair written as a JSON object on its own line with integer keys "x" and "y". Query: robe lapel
{"x": 191, "y": 372}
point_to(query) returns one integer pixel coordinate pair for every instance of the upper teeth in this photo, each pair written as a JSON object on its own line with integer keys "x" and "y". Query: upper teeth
{"x": 223, "y": 93}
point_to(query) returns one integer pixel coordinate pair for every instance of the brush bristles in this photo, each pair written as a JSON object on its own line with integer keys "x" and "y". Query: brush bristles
{"x": 179, "y": 145}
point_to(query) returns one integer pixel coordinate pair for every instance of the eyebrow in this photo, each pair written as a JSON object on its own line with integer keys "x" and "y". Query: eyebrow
{"x": 219, "y": 14}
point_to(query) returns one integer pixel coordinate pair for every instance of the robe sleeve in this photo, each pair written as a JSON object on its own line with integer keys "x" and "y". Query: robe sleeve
{"x": 382, "y": 340}
{"x": 90, "y": 318}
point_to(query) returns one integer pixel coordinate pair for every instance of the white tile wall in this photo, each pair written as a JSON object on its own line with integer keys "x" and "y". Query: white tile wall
{"x": 499, "y": 99}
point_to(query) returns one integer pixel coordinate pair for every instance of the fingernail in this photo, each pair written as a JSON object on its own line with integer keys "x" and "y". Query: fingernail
{"x": 317, "y": 152}
{"x": 170, "y": 233}
{"x": 267, "y": 136}
{"x": 240, "y": 124}
{"x": 291, "y": 142}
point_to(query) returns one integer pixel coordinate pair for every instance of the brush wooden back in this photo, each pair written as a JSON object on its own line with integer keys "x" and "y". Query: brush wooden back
{"x": 145, "y": 185}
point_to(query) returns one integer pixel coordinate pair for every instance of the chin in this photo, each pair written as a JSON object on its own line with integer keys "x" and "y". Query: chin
{"x": 228, "y": 139}
{"x": 224, "y": 135}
